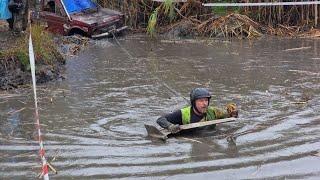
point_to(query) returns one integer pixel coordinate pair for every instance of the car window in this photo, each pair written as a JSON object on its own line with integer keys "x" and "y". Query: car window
{"x": 76, "y": 6}
{"x": 50, "y": 6}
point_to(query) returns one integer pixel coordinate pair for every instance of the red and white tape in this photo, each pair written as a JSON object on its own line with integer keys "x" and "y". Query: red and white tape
{"x": 44, "y": 172}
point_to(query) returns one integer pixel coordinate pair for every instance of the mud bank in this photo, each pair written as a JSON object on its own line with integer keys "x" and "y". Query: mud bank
{"x": 14, "y": 73}
{"x": 50, "y": 51}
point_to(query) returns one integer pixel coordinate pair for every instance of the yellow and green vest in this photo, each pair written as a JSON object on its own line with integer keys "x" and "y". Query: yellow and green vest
{"x": 186, "y": 114}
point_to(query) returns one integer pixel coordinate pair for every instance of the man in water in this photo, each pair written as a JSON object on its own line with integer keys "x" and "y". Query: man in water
{"x": 198, "y": 111}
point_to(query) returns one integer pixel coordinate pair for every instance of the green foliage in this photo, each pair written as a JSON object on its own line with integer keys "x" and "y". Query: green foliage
{"x": 236, "y": 10}
{"x": 221, "y": 11}
{"x": 168, "y": 6}
{"x": 43, "y": 46}
{"x": 24, "y": 59}
{"x": 2, "y": 55}
{"x": 151, "y": 29}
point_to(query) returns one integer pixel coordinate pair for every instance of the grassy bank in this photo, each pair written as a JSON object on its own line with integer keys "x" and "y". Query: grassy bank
{"x": 14, "y": 59}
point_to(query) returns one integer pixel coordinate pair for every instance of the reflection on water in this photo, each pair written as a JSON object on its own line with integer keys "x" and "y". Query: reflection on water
{"x": 93, "y": 121}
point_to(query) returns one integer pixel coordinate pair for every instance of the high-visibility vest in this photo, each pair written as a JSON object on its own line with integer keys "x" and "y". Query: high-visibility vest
{"x": 186, "y": 115}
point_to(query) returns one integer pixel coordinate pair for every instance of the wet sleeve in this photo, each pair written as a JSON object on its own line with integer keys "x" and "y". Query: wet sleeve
{"x": 163, "y": 122}
{"x": 168, "y": 119}
{"x": 175, "y": 117}
{"x": 220, "y": 113}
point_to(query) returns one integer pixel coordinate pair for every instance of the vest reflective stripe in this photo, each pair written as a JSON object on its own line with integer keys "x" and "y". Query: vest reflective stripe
{"x": 186, "y": 115}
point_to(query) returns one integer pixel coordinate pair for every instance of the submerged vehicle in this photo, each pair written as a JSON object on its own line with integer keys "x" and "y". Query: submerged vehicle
{"x": 84, "y": 17}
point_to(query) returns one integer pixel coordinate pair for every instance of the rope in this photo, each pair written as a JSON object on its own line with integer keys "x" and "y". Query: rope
{"x": 121, "y": 47}
{"x": 44, "y": 171}
{"x": 157, "y": 78}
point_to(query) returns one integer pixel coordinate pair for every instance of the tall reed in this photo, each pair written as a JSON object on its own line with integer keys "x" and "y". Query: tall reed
{"x": 138, "y": 12}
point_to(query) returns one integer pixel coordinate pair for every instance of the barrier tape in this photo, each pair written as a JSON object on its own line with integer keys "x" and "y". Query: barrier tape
{"x": 44, "y": 172}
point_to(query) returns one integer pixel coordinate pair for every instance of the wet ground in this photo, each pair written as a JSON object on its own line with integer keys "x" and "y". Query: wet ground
{"x": 94, "y": 120}
{"x": 15, "y": 74}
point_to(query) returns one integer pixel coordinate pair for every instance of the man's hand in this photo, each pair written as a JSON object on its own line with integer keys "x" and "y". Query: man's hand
{"x": 232, "y": 110}
{"x": 174, "y": 128}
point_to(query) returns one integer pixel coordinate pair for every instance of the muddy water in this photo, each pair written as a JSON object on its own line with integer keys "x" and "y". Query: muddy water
{"x": 93, "y": 121}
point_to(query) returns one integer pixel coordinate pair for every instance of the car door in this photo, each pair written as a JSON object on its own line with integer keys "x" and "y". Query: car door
{"x": 55, "y": 17}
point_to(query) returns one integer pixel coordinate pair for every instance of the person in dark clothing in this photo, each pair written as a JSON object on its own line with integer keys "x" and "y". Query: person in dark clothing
{"x": 10, "y": 22}
{"x": 5, "y": 13}
{"x": 19, "y": 10}
{"x": 198, "y": 111}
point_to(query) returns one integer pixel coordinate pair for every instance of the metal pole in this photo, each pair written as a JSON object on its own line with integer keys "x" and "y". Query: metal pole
{"x": 261, "y": 4}
{"x": 65, "y": 9}
{"x": 315, "y": 15}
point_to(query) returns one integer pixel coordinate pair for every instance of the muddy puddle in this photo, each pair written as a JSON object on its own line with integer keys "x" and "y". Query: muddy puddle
{"x": 94, "y": 120}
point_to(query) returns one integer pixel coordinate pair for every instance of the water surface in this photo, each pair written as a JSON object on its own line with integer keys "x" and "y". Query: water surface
{"x": 93, "y": 120}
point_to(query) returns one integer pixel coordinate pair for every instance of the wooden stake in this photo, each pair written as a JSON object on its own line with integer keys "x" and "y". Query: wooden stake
{"x": 52, "y": 168}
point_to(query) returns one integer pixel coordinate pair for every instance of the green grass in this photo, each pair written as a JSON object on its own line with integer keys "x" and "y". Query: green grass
{"x": 43, "y": 45}
{"x": 223, "y": 11}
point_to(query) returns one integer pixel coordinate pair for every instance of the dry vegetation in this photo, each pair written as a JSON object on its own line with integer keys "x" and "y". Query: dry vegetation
{"x": 220, "y": 21}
